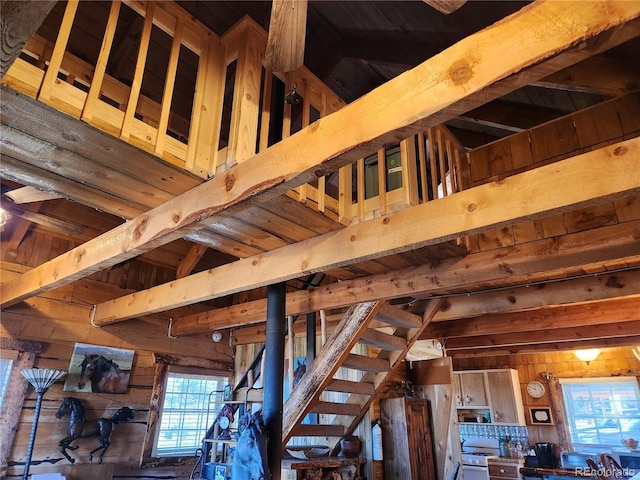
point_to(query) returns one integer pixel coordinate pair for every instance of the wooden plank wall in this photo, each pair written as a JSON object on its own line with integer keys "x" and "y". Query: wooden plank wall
{"x": 59, "y": 320}
{"x": 584, "y": 131}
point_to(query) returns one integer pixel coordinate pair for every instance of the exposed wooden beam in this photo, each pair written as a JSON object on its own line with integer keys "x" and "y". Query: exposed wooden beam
{"x": 29, "y": 195}
{"x": 64, "y": 226}
{"x": 19, "y": 20}
{"x": 598, "y": 74}
{"x": 525, "y": 333}
{"x": 509, "y": 117}
{"x": 463, "y": 213}
{"x": 551, "y": 346}
{"x": 604, "y": 286}
{"x": 473, "y": 72}
{"x": 446, "y": 6}
{"x": 597, "y": 246}
{"x": 544, "y": 319}
{"x": 287, "y": 32}
{"x": 190, "y": 260}
{"x": 568, "y": 291}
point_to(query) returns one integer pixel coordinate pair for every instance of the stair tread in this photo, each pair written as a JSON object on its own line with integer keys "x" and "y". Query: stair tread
{"x": 336, "y": 408}
{"x": 367, "y": 364}
{"x": 346, "y": 386}
{"x": 317, "y": 430}
{"x": 383, "y": 340}
{"x": 398, "y": 317}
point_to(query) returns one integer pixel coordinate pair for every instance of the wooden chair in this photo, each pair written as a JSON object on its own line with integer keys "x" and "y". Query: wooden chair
{"x": 597, "y": 470}
{"x": 611, "y": 466}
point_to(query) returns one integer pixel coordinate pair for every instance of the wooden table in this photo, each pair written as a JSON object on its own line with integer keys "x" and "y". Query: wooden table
{"x": 317, "y": 468}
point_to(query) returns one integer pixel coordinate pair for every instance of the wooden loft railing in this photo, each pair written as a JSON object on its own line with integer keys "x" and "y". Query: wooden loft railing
{"x": 426, "y": 167}
{"x": 236, "y": 108}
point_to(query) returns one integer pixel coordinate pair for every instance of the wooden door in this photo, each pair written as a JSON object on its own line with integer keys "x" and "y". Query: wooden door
{"x": 420, "y": 440}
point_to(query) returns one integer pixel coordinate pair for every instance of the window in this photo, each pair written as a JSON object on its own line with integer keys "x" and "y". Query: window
{"x": 186, "y": 412}
{"x": 602, "y": 412}
{"x": 5, "y": 373}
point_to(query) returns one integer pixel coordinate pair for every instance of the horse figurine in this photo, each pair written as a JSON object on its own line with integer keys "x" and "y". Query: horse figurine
{"x": 104, "y": 374}
{"x": 250, "y": 461}
{"x": 299, "y": 372}
{"x": 80, "y": 427}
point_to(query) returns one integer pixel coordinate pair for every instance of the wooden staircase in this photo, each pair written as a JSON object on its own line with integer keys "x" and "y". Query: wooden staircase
{"x": 391, "y": 331}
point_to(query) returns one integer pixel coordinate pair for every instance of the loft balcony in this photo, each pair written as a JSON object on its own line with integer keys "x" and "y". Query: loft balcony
{"x": 204, "y": 103}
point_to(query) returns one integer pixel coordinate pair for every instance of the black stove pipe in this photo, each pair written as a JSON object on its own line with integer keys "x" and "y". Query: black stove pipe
{"x": 273, "y": 375}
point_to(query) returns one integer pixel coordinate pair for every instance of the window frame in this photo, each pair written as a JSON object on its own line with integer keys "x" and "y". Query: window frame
{"x": 212, "y": 413}
{"x": 164, "y": 364}
{"x": 595, "y": 447}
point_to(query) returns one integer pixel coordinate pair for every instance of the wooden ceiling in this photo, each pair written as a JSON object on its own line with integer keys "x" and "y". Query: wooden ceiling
{"x": 354, "y": 47}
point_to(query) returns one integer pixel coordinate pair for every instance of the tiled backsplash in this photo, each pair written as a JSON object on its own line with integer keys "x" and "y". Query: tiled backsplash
{"x": 487, "y": 430}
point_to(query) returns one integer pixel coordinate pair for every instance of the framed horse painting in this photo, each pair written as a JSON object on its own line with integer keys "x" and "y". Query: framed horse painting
{"x": 99, "y": 369}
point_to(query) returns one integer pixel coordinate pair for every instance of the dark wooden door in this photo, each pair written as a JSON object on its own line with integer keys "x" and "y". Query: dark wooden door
{"x": 420, "y": 440}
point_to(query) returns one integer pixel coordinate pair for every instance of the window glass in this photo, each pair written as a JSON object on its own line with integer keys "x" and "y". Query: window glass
{"x": 187, "y": 412}
{"x": 602, "y": 413}
{"x": 5, "y": 373}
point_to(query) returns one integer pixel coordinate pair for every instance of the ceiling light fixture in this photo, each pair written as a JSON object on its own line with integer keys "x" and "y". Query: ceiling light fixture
{"x": 4, "y": 217}
{"x": 588, "y": 355}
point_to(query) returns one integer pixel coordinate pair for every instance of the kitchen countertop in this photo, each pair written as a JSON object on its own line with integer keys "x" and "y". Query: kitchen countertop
{"x": 565, "y": 472}
{"x": 506, "y": 460}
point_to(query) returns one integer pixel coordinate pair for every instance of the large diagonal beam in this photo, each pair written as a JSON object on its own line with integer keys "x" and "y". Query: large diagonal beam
{"x": 466, "y": 75}
{"x": 604, "y": 173}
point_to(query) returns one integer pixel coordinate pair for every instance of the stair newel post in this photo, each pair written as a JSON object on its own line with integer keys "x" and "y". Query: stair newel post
{"x": 273, "y": 375}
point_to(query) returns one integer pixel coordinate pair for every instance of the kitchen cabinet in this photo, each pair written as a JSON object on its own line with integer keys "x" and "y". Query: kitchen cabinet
{"x": 505, "y": 397}
{"x": 470, "y": 389}
{"x": 495, "y": 391}
{"x": 504, "y": 470}
{"x": 407, "y": 440}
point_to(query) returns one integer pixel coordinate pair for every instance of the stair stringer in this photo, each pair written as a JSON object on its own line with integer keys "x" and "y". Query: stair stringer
{"x": 380, "y": 379}
{"x": 355, "y": 321}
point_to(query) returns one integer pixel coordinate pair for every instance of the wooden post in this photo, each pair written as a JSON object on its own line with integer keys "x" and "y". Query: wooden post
{"x": 19, "y": 20}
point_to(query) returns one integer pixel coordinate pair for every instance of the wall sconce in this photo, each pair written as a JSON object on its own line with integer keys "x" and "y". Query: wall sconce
{"x": 216, "y": 336}
{"x": 4, "y": 217}
{"x": 588, "y": 355}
